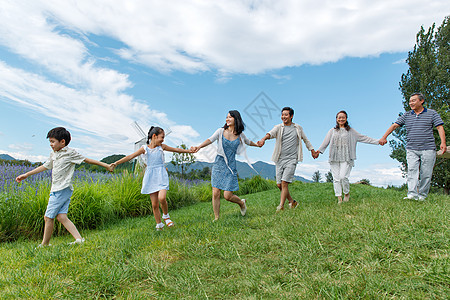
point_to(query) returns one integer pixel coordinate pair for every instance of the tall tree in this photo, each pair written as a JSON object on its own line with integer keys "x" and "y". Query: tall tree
{"x": 182, "y": 160}
{"x": 429, "y": 74}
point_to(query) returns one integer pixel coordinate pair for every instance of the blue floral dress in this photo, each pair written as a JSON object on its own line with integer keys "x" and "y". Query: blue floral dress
{"x": 155, "y": 177}
{"x": 221, "y": 175}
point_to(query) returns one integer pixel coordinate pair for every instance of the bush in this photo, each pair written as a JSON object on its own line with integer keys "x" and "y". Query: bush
{"x": 255, "y": 184}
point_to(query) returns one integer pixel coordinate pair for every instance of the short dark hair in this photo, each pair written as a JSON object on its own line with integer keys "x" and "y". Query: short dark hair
{"x": 291, "y": 111}
{"x": 421, "y": 97}
{"x": 59, "y": 133}
{"x": 239, "y": 125}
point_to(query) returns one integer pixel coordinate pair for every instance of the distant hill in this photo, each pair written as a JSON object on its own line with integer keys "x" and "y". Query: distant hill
{"x": 6, "y": 157}
{"x": 264, "y": 169}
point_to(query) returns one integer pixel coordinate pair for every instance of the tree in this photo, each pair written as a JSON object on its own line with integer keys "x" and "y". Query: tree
{"x": 428, "y": 73}
{"x": 329, "y": 177}
{"x": 316, "y": 176}
{"x": 182, "y": 160}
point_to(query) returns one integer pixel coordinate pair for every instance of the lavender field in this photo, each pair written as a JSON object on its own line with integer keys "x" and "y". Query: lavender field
{"x": 98, "y": 198}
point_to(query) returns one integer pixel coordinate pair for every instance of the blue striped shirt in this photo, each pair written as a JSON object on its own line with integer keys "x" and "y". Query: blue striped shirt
{"x": 419, "y": 129}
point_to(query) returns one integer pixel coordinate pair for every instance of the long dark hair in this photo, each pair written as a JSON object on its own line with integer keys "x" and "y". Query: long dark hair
{"x": 346, "y": 126}
{"x": 239, "y": 125}
{"x": 153, "y": 130}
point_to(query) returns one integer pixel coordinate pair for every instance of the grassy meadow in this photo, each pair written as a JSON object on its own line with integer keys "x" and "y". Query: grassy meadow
{"x": 375, "y": 246}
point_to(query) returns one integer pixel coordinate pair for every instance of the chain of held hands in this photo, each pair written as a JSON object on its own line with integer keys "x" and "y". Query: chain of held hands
{"x": 260, "y": 143}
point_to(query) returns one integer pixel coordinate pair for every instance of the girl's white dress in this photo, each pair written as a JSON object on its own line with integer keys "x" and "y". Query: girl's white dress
{"x": 155, "y": 177}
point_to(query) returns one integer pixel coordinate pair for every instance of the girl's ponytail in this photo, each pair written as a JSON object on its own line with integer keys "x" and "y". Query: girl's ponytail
{"x": 153, "y": 130}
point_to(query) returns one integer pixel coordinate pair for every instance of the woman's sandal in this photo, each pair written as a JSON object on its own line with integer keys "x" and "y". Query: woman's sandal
{"x": 169, "y": 222}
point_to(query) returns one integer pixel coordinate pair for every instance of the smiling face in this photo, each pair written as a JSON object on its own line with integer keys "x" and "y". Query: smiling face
{"x": 341, "y": 119}
{"x": 158, "y": 139}
{"x": 415, "y": 103}
{"x": 57, "y": 145}
{"x": 286, "y": 117}
{"x": 229, "y": 120}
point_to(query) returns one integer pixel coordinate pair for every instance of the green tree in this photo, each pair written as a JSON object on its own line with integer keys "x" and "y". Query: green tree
{"x": 329, "y": 177}
{"x": 182, "y": 160}
{"x": 316, "y": 176}
{"x": 428, "y": 73}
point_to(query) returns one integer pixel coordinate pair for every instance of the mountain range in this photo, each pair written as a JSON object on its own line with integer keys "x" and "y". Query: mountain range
{"x": 264, "y": 169}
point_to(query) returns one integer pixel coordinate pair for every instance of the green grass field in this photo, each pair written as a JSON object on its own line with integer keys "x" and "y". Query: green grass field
{"x": 375, "y": 246}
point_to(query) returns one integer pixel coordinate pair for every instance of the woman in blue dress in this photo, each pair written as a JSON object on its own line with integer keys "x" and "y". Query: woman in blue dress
{"x": 230, "y": 141}
{"x": 156, "y": 179}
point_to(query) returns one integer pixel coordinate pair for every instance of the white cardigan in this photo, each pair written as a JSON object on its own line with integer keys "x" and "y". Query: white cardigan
{"x": 353, "y": 138}
{"x": 277, "y": 132}
{"x": 217, "y": 136}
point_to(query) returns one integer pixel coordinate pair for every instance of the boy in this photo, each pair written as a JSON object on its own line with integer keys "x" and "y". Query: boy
{"x": 62, "y": 162}
{"x": 287, "y": 153}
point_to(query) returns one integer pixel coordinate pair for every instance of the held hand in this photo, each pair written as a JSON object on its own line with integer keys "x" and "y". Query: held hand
{"x": 111, "y": 167}
{"x": 194, "y": 149}
{"x": 382, "y": 141}
{"x": 260, "y": 143}
{"x": 21, "y": 177}
{"x": 315, "y": 154}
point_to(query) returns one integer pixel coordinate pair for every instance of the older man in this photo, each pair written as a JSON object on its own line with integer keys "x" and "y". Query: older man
{"x": 420, "y": 144}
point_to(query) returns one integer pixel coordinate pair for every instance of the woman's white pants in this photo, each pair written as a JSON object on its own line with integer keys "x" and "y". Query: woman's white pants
{"x": 341, "y": 172}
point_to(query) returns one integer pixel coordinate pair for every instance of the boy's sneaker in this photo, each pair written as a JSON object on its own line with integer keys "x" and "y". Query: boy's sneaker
{"x": 409, "y": 198}
{"x": 77, "y": 242}
{"x": 293, "y": 204}
{"x": 280, "y": 208}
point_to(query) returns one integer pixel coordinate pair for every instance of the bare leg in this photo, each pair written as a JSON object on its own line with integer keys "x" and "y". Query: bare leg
{"x": 229, "y": 196}
{"x": 216, "y": 202}
{"x": 62, "y": 218}
{"x": 288, "y": 194}
{"x": 155, "y": 207}
{"x": 48, "y": 230}
{"x": 339, "y": 199}
{"x": 346, "y": 197}
{"x": 162, "y": 200}
{"x": 284, "y": 193}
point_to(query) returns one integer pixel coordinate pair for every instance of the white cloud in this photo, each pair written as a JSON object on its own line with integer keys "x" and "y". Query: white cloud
{"x": 378, "y": 175}
{"x": 239, "y": 36}
{"x": 21, "y": 147}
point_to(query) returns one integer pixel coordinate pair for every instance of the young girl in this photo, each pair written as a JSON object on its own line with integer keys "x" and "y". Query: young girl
{"x": 230, "y": 139}
{"x": 343, "y": 141}
{"x": 156, "y": 179}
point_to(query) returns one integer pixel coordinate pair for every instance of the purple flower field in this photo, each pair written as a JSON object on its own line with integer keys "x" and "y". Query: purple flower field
{"x": 9, "y": 172}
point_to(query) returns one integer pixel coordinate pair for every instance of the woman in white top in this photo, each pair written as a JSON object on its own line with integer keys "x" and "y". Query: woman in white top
{"x": 343, "y": 141}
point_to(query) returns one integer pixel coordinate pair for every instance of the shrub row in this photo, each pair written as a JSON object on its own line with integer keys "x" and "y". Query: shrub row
{"x": 96, "y": 202}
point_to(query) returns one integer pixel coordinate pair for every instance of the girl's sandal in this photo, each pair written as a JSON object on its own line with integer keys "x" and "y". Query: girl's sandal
{"x": 169, "y": 222}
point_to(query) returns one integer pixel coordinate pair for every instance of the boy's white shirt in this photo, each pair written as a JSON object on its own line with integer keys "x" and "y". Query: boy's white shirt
{"x": 277, "y": 133}
{"x": 62, "y": 163}
{"x": 217, "y": 136}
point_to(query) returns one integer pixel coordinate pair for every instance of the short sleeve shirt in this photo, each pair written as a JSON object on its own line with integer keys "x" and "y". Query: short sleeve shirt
{"x": 419, "y": 129}
{"x": 62, "y": 163}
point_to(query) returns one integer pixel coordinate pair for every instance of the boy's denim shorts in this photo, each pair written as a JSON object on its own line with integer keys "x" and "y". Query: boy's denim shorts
{"x": 58, "y": 203}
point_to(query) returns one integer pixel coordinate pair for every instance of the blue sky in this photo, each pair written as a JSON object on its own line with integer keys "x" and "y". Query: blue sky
{"x": 97, "y": 66}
